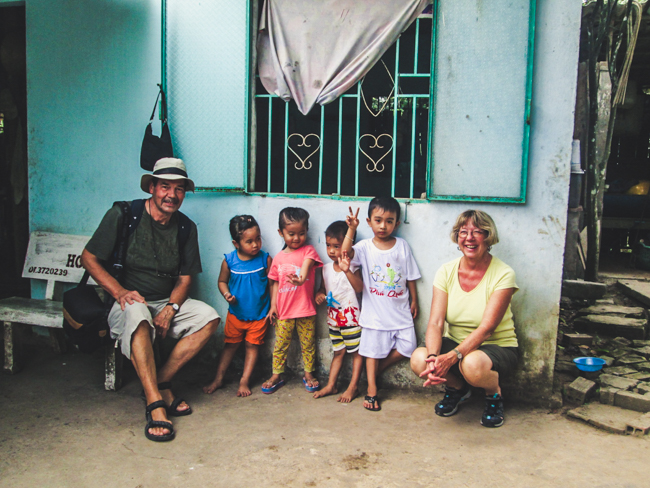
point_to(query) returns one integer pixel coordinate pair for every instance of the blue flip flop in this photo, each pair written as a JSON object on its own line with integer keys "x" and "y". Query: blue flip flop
{"x": 274, "y": 388}
{"x": 310, "y": 389}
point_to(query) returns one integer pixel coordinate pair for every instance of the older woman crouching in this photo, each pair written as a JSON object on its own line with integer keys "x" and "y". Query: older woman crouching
{"x": 472, "y": 294}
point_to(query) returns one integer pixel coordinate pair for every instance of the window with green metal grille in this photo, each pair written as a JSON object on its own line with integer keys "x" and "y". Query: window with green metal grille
{"x": 371, "y": 141}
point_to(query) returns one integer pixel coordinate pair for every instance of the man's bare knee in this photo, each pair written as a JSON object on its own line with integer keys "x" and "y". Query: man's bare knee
{"x": 211, "y": 327}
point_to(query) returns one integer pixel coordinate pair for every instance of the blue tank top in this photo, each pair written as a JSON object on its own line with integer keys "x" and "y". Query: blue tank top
{"x": 248, "y": 282}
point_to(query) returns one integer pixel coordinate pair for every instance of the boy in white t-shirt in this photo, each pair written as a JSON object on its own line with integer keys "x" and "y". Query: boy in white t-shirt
{"x": 339, "y": 289}
{"x": 389, "y": 294}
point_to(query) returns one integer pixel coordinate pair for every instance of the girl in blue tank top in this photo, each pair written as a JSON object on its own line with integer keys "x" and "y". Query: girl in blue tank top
{"x": 243, "y": 283}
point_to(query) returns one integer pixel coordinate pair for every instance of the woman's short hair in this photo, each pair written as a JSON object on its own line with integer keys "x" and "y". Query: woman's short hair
{"x": 479, "y": 219}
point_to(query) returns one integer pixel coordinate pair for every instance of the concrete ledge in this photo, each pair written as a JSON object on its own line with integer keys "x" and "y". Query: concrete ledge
{"x": 583, "y": 289}
{"x": 636, "y": 289}
{"x": 617, "y": 382}
{"x": 632, "y": 401}
{"x": 605, "y": 417}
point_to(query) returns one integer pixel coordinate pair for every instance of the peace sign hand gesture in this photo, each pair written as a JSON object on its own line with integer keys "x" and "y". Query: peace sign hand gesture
{"x": 353, "y": 219}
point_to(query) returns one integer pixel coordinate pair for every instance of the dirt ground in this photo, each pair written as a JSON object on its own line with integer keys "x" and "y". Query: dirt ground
{"x": 58, "y": 427}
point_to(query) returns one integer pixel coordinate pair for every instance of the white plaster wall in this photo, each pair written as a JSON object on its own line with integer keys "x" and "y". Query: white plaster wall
{"x": 92, "y": 69}
{"x": 532, "y": 235}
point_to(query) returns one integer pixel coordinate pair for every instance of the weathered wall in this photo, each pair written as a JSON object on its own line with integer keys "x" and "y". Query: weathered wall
{"x": 92, "y": 69}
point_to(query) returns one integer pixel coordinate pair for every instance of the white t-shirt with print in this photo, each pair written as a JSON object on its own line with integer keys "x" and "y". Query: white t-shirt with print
{"x": 346, "y": 313}
{"x": 386, "y": 302}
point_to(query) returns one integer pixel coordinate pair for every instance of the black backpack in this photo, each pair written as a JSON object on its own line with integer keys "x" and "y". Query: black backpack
{"x": 85, "y": 316}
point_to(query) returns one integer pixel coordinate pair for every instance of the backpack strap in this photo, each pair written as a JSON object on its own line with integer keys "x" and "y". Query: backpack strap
{"x": 136, "y": 211}
{"x": 119, "y": 251}
{"x": 184, "y": 228}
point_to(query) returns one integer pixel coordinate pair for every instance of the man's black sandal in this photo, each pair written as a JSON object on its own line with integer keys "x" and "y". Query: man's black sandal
{"x": 173, "y": 410}
{"x": 374, "y": 401}
{"x": 151, "y": 423}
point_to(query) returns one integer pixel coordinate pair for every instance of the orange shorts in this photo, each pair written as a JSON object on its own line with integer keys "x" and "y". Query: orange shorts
{"x": 235, "y": 330}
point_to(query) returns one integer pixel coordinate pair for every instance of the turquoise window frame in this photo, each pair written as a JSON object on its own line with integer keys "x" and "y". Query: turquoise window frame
{"x": 431, "y": 196}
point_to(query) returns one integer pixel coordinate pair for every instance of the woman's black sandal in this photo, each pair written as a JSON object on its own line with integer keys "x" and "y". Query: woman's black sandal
{"x": 173, "y": 410}
{"x": 151, "y": 423}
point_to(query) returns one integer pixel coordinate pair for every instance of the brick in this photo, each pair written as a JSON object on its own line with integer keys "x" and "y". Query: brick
{"x": 643, "y": 388}
{"x": 611, "y": 325}
{"x": 634, "y": 312}
{"x": 643, "y": 366}
{"x": 605, "y": 301}
{"x": 619, "y": 352}
{"x": 639, "y": 343}
{"x": 643, "y": 376}
{"x": 639, "y": 427}
{"x": 643, "y": 351}
{"x": 630, "y": 360}
{"x": 564, "y": 366}
{"x": 608, "y": 361}
{"x": 583, "y": 289}
{"x": 621, "y": 341}
{"x": 578, "y": 340}
{"x": 607, "y": 395}
{"x": 617, "y": 382}
{"x": 632, "y": 401}
{"x": 579, "y": 391}
{"x": 619, "y": 370}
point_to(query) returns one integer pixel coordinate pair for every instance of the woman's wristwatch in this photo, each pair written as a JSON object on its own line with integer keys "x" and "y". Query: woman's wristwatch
{"x": 459, "y": 354}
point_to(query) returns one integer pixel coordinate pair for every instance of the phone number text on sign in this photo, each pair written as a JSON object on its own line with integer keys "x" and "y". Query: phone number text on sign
{"x": 48, "y": 271}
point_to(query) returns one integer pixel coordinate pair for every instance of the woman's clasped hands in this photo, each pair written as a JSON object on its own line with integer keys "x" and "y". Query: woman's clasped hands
{"x": 436, "y": 369}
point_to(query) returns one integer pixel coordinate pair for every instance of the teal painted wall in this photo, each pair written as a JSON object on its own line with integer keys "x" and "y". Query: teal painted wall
{"x": 92, "y": 69}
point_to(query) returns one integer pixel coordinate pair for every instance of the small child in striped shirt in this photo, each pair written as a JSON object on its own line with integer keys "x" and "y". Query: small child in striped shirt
{"x": 339, "y": 289}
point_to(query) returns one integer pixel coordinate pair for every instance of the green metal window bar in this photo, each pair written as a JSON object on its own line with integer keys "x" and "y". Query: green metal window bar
{"x": 400, "y": 102}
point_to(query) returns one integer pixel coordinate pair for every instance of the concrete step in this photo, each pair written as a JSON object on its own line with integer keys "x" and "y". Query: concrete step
{"x": 612, "y": 419}
{"x": 639, "y": 290}
{"x": 629, "y": 328}
{"x": 615, "y": 310}
{"x": 583, "y": 289}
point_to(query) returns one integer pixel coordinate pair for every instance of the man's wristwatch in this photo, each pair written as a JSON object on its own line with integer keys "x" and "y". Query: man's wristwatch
{"x": 459, "y": 355}
{"x": 175, "y": 306}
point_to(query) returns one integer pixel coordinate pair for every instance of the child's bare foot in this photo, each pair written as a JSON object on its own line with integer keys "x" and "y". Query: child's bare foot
{"x": 212, "y": 387}
{"x": 348, "y": 395}
{"x": 327, "y": 390}
{"x": 243, "y": 390}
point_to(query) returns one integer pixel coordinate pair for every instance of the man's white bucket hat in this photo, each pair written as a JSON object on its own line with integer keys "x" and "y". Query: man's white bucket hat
{"x": 167, "y": 169}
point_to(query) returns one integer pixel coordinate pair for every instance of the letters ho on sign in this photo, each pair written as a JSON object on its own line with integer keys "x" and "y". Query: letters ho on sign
{"x": 55, "y": 257}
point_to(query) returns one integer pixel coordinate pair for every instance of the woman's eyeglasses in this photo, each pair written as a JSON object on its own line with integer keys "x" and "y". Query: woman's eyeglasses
{"x": 475, "y": 233}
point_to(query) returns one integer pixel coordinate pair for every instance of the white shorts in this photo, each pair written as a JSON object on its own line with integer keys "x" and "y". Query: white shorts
{"x": 192, "y": 317}
{"x": 377, "y": 344}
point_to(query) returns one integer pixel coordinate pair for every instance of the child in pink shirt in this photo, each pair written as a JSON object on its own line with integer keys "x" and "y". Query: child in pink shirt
{"x": 292, "y": 297}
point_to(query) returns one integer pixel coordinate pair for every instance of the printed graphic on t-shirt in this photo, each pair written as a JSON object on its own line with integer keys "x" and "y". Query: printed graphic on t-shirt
{"x": 386, "y": 281}
{"x": 283, "y": 271}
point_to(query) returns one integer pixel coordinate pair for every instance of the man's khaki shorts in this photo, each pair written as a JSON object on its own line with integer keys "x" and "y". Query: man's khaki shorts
{"x": 192, "y": 317}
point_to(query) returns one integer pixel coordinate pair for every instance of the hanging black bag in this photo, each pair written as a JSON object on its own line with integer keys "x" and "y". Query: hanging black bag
{"x": 85, "y": 315}
{"x": 154, "y": 147}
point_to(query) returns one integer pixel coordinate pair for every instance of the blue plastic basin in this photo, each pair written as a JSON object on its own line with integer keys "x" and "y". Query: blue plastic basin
{"x": 589, "y": 364}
